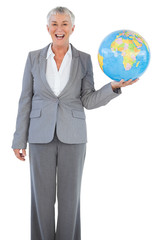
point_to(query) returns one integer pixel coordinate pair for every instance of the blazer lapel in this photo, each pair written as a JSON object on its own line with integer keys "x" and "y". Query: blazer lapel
{"x": 42, "y": 68}
{"x": 43, "y": 65}
{"x": 73, "y": 70}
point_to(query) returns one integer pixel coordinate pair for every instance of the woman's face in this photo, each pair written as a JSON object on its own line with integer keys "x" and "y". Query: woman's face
{"x": 60, "y": 28}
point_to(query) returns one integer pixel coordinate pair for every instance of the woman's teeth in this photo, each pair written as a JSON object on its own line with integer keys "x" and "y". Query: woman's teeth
{"x": 59, "y": 36}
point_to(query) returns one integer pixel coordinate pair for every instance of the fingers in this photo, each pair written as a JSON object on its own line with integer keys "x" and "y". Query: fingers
{"x": 20, "y": 155}
{"x": 128, "y": 82}
{"x": 135, "y": 80}
{"x": 24, "y": 152}
{"x": 122, "y": 81}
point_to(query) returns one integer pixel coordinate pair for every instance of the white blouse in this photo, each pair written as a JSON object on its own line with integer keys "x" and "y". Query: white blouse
{"x": 57, "y": 80}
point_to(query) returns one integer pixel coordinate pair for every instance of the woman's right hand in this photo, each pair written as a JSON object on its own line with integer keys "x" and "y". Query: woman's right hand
{"x": 20, "y": 154}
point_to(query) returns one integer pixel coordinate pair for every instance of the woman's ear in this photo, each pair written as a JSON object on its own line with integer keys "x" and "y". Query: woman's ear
{"x": 47, "y": 28}
{"x": 73, "y": 29}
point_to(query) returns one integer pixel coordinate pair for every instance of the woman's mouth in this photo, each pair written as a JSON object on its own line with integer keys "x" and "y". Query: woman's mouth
{"x": 59, "y": 36}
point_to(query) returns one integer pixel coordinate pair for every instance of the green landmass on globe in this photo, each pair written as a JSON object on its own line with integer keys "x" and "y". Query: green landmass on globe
{"x": 128, "y": 44}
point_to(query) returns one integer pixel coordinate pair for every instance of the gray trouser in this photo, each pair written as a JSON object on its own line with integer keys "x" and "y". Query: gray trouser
{"x": 45, "y": 160}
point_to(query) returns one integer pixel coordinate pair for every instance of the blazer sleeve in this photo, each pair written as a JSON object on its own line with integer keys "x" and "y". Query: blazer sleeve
{"x": 24, "y": 108}
{"x": 89, "y": 96}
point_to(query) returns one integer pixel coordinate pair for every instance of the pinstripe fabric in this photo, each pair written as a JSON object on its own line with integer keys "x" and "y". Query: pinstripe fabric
{"x": 40, "y": 109}
{"x": 67, "y": 161}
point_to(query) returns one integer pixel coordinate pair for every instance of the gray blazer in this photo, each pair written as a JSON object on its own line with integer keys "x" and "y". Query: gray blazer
{"x": 40, "y": 110}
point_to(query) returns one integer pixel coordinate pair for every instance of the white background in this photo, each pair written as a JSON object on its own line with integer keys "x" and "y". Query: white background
{"x": 120, "y": 193}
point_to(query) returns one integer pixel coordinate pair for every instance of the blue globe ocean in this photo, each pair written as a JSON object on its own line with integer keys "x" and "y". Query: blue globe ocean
{"x": 123, "y": 54}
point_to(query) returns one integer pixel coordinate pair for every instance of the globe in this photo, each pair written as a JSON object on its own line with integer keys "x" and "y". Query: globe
{"x": 123, "y": 54}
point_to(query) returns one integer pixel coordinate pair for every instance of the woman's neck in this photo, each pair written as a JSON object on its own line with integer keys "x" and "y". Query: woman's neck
{"x": 60, "y": 51}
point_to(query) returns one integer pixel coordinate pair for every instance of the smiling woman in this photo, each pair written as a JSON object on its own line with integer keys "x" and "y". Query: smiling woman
{"x": 57, "y": 84}
{"x": 60, "y": 26}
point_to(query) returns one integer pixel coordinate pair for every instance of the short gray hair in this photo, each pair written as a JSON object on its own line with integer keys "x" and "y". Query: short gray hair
{"x": 61, "y": 10}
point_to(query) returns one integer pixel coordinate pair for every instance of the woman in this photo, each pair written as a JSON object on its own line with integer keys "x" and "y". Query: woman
{"x": 57, "y": 85}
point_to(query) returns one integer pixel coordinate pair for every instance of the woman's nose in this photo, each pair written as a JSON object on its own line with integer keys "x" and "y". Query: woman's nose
{"x": 59, "y": 29}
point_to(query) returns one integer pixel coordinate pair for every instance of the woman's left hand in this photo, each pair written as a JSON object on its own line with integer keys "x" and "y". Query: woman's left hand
{"x": 123, "y": 83}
